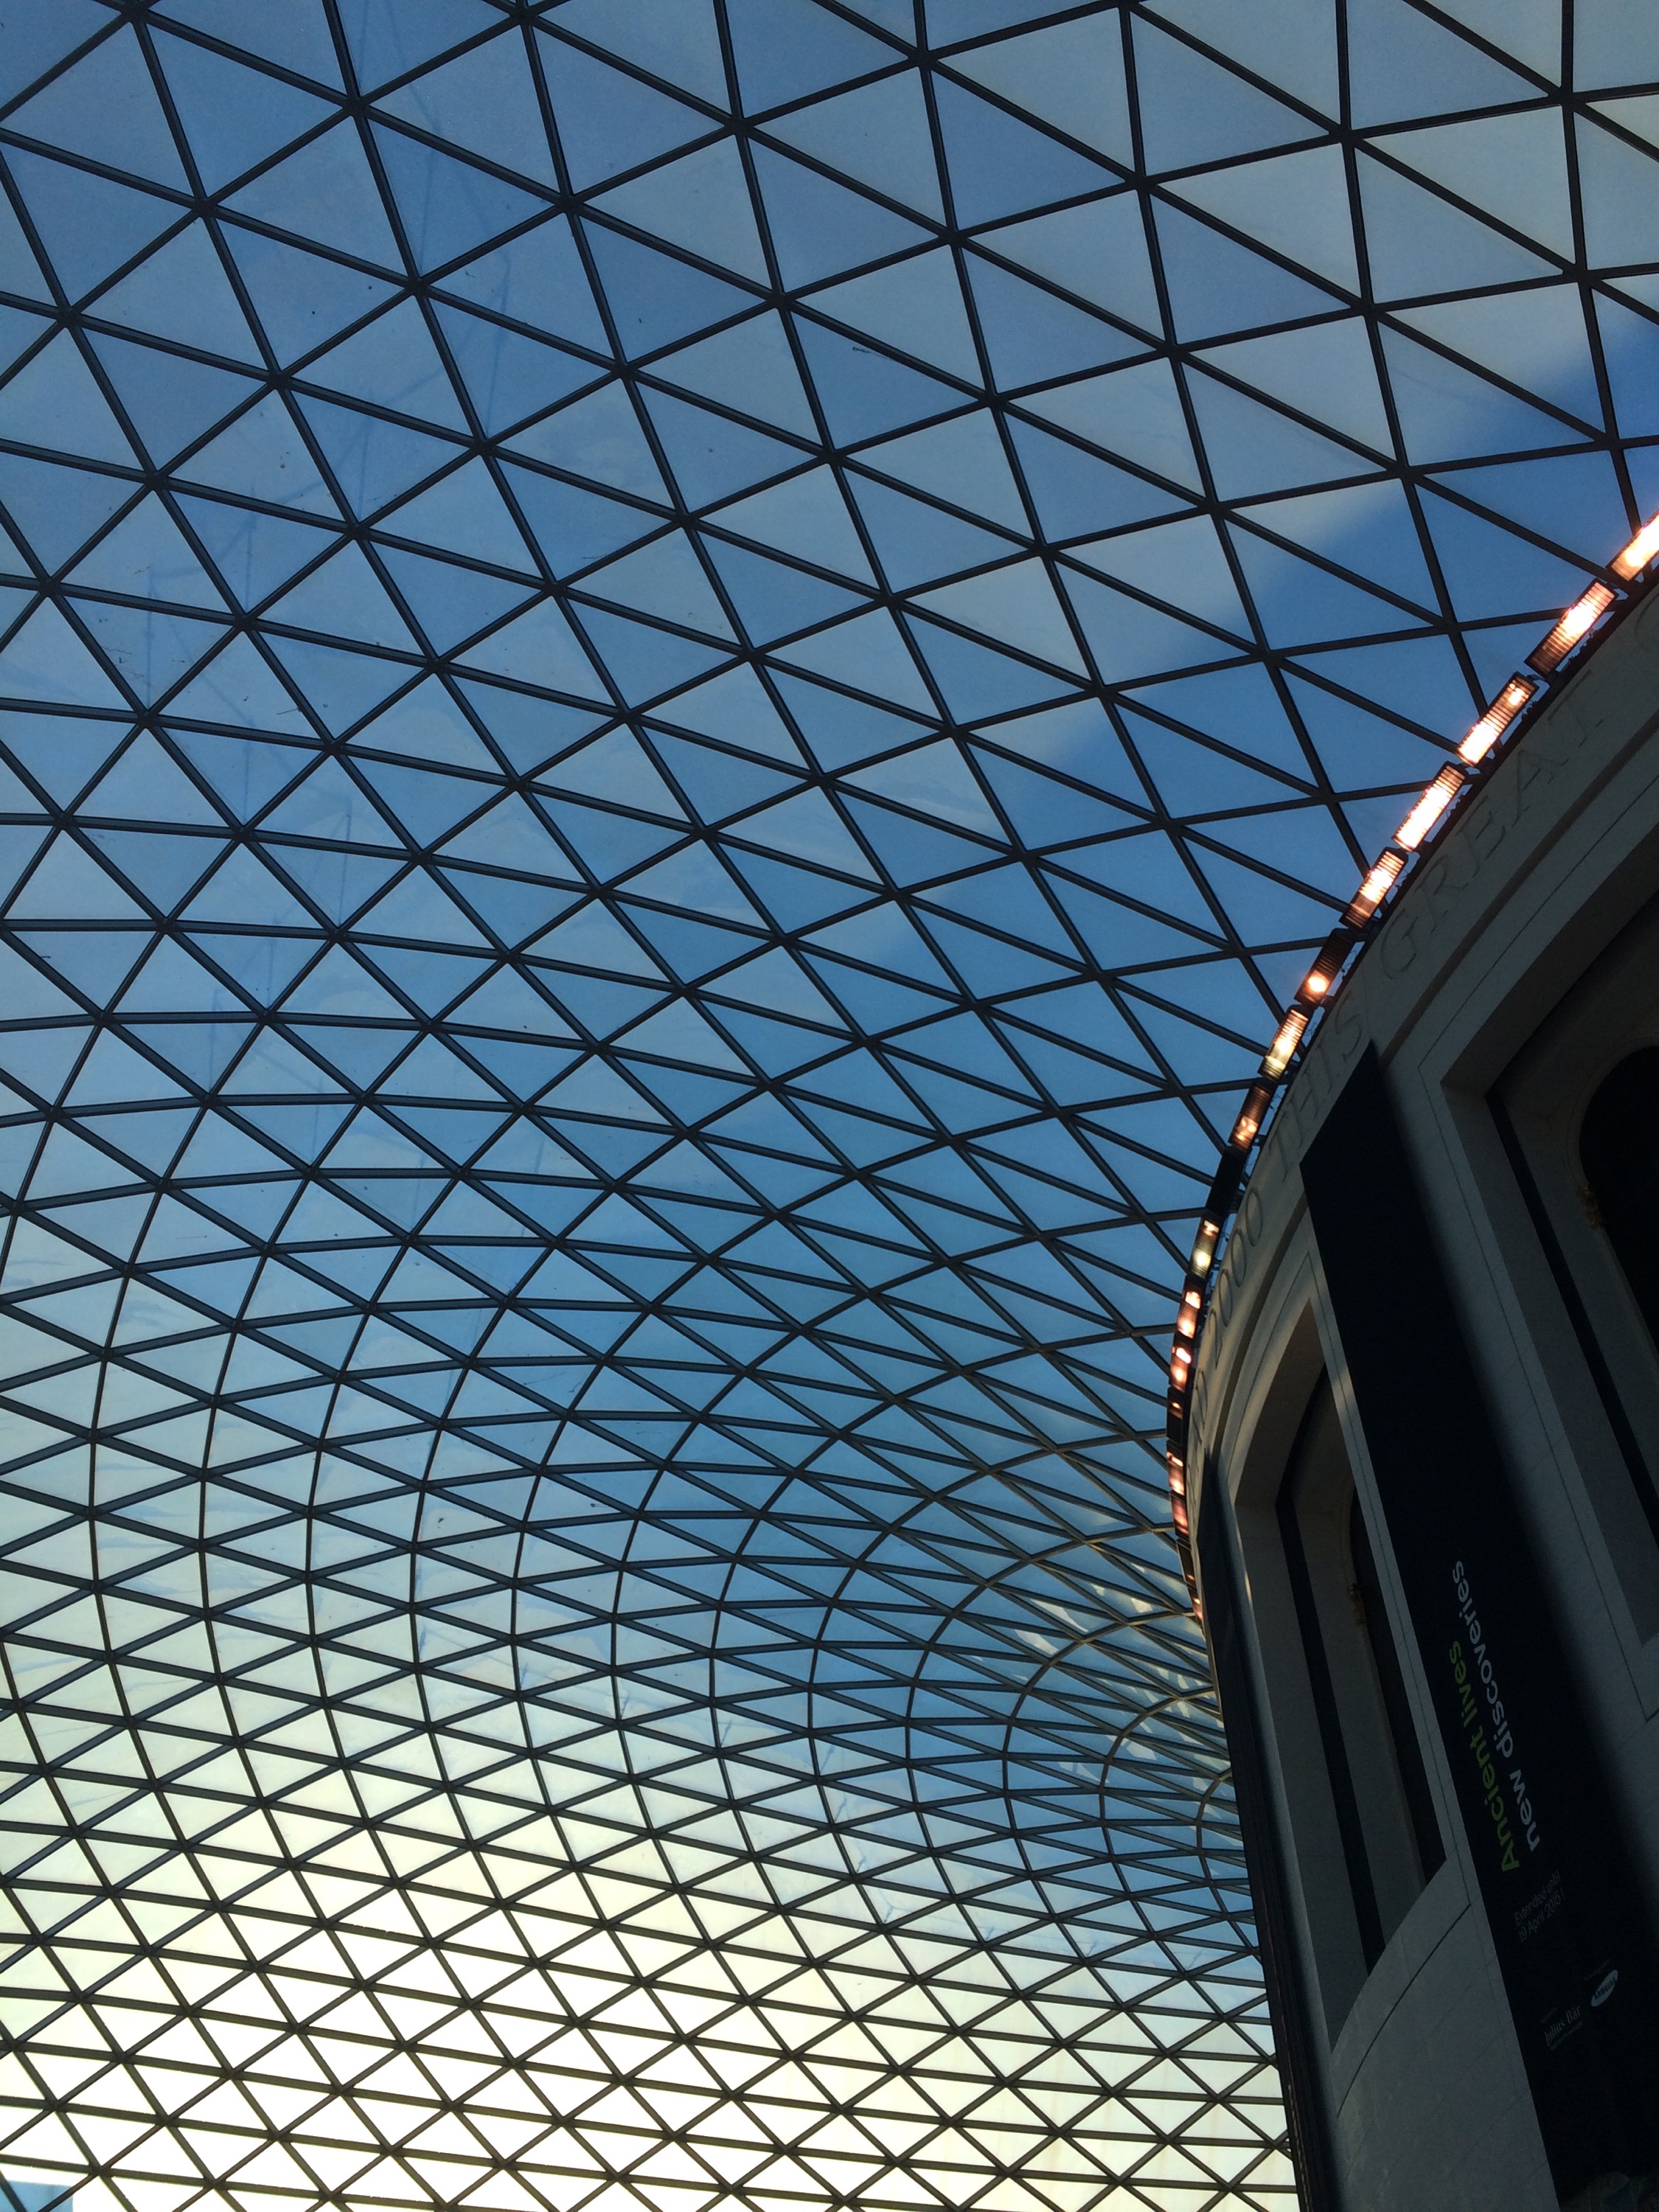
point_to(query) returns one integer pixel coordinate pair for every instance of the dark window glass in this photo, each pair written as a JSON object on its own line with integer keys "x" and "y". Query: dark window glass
{"x": 1391, "y": 1684}
{"x": 1619, "y": 1146}
{"x": 1378, "y": 1789}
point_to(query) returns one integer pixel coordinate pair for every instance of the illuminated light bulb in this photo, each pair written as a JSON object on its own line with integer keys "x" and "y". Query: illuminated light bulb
{"x": 1289, "y": 1036}
{"x": 1375, "y": 889}
{"x": 1180, "y": 1360}
{"x": 1641, "y": 549}
{"x": 1496, "y": 719}
{"x": 1322, "y": 976}
{"x": 1582, "y": 615}
{"x": 1429, "y": 809}
{"x": 1204, "y": 1249}
{"x": 1186, "y": 1315}
{"x": 1249, "y": 1120}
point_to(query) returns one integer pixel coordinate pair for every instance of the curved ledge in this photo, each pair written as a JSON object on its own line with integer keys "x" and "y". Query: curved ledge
{"x": 1578, "y": 632}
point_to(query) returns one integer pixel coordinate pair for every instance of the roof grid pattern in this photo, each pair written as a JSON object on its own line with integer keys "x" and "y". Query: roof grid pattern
{"x": 681, "y": 682}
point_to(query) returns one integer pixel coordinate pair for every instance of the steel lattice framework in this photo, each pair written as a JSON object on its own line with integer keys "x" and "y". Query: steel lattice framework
{"x": 683, "y": 679}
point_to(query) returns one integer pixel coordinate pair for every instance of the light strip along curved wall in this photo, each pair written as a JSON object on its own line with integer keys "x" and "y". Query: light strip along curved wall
{"x": 681, "y": 677}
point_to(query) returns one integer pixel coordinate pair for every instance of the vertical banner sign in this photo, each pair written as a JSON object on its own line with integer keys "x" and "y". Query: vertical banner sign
{"x": 1577, "y": 1957}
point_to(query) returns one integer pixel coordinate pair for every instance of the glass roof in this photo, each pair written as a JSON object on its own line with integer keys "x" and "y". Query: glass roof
{"x": 683, "y": 679}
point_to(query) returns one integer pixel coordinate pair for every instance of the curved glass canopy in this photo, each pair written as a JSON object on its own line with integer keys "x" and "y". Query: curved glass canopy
{"x": 683, "y": 679}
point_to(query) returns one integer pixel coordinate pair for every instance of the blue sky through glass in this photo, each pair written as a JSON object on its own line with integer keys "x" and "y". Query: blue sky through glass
{"x": 682, "y": 681}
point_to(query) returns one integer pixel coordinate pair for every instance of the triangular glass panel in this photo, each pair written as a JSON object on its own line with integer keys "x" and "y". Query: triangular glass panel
{"x": 484, "y": 100}
{"x": 341, "y": 687}
{"x": 1185, "y": 564}
{"x": 170, "y": 401}
{"x": 300, "y": 299}
{"x": 1616, "y": 182}
{"x": 1630, "y": 344}
{"x": 877, "y": 136}
{"x": 599, "y": 438}
{"x": 1253, "y": 449}
{"x": 917, "y": 543}
{"x": 664, "y": 579}
{"x": 1573, "y": 501}
{"x": 182, "y": 292}
{"x": 711, "y": 456}
{"x": 392, "y": 364}
{"x": 537, "y": 648}
{"x": 1418, "y": 244}
{"x": 1014, "y": 606}
{"x": 1217, "y": 285}
{"x": 1419, "y": 679}
{"x": 536, "y": 278}
{"x": 963, "y": 461}
{"x": 1490, "y": 570}
{"x": 1134, "y": 413}
{"x": 916, "y": 306}
{"x": 53, "y": 401}
{"x": 37, "y": 43}
{"x": 1129, "y": 640}
{"x": 346, "y": 597}
{"x": 105, "y": 106}
{"x": 88, "y": 225}
{"x": 1446, "y": 409}
{"x": 1194, "y": 111}
{"x": 255, "y": 553}
{"x": 772, "y": 600}
{"x": 1370, "y": 528}
{"x": 326, "y": 193}
{"x": 608, "y": 121}
{"x": 652, "y": 297}
{"x": 868, "y": 656}
{"x": 235, "y": 116}
{"x": 296, "y": 38}
{"x": 44, "y": 660}
{"x": 805, "y": 516}
{"x": 1536, "y": 339}
{"x": 1031, "y": 335}
{"x": 677, "y": 41}
{"x": 1297, "y": 204}
{"x": 146, "y": 555}
{"x": 1076, "y": 493}
{"x": 1097, "y": 251}
{"x": 641, "y": 661}
{"x": 1297, "y": 604}
{"x": 374, "y": 461}
{"x": 449, "y": 208}
{"x": 786, "y": 51}
{"x": 463, "y": 513}
{"x": 999, "y": 165}
{"x": 572, "y": 528}
{"x": 388, "y": 37}
{"x": 509, "y": 378}
{"x": 700, "y": 202}
{"x": 1070, "y": 75}
{"x": 820, "y": 228}
{"x": 863, "y": 393}
{"x": 151, "y": 649}
{"x": 749, "y": 367}
{"x": 1402, "y": 65}
{"x": 1511, "y": 168}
